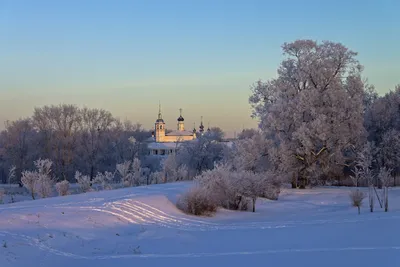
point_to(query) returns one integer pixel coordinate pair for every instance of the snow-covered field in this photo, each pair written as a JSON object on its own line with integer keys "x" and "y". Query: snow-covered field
{"x": 141, "y": 227}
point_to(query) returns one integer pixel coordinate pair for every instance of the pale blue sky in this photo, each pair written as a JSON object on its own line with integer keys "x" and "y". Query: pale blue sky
{"x": 125, "y": 56}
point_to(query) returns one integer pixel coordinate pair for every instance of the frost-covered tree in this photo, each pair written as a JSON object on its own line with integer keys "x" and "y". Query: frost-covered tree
{"x": 383, "y": 115}
{"x": 58, "y": 127}
{"x": 199, "y": 155}
{"x": 234, "y": 189}
{"x": 156, "y": 177}
{"x": 137, "y": 172}
{"x": 94, "y": 124}
{"x": 173, "y": 171}
{"x": 11, "y": 174}
{"x": 389, "y": 152}
{"x": 62, "y": 188}
{"x": 357, "y": 196}
{"x": 216, "y": 134}
{"x": 124, "y": 170}
{"x": 385, "y": 178}
{"x": 29, "y": 180}
{"x": 250, "y": 154}
{"x": 314, "y": 109}
{"x": 247, "y": 133}
{"x": 83, "y": 181}
{"x": 105, "y": 179}
{"x": 252, "y": 185}
{"x": 18, "y": 145}
{"x": 40, "y": 181}
{"x": 363, "y": 170}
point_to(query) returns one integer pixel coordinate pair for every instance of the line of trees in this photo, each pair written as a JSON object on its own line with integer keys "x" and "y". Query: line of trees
{"x": 74, "y": 139}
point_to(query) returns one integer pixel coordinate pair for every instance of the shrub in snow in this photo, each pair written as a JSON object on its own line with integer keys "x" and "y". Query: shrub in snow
{"x": 173, "y": 171}
{"x": 44, "y": 180}
{"x": 62, "y": 188}
{"x": 131, "y": 173}
{"x": 104, "y": 179}
{"x": 232, "y": 189}
{"x": 83, "y": 181}
{"x": 137, "y": 177}
{"x": 196, "y": 201}
{"x": 156, "y": 177}
{"x": 357, "y": 198}
{"x": 29, "y": 180}
{"x": 44, "y": 185}
{"x": 124, "y": 171}
{"x": 270, "y": 185}
{"x": 39, "y": 181}
{"x": 237, "y": 189}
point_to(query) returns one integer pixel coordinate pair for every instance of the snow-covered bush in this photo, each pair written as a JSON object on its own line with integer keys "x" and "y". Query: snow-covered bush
{"x": 29, "y": 179}
{"x": 124, "y": 170}
{"x": 39, "y": 181}
{"x": 235, "y": 189}
{"x": 173, "y": 171}
{"x": 137, "y": 177}
{"x": 104, "y": 179}
{"x": 44, "y": 185}
{"x": 131, "y": 173}
{"x": 156, "y": 177}
{"x": 62, "y": 188}
{"x": 196, "y": 201}
{"x": 83, "y": 181}
{"x": 357, "y": 197}
{"x": 45, "y": 181}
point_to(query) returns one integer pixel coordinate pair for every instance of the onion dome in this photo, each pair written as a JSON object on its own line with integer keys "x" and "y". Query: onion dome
{"x": 180, "y": 116}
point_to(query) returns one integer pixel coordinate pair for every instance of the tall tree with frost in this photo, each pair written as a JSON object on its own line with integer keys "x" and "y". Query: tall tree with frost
{"x": 385, "y": 178}
{"x": 58, "y": 126}
{"x": 389, "y": 152}
{"x": 124, "y": 170}
{"x": 363, "y": 168}
{"x": 313, "y": 109}
{"x": 94, "y": 125}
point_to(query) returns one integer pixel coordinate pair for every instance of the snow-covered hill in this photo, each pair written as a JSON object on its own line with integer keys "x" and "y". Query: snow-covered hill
{"x": 141, "y": 227}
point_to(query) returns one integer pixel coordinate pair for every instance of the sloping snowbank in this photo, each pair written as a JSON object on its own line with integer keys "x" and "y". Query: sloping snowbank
{"x": 141, "y": 227}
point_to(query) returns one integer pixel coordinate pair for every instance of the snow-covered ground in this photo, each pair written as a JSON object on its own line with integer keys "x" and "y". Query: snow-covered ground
{"x": 141, "y": 227}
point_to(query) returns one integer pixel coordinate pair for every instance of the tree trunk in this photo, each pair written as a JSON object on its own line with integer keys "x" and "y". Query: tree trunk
{"x": 302, "y": 182}
{"x": 294, "y": 183}
{"x": 254, "y": 205}
{"x": 386, "y": 194}
{"x": 371, "y": 198}
{"x": 377, "y": 195}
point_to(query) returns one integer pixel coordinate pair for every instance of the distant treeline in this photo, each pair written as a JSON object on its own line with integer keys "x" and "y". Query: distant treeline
{"x": 73, "y": 138}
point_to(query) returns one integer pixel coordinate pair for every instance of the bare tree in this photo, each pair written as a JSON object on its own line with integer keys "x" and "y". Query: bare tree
{"x": 94, "y": 125}
{"x": 18, "y": 142}
{"x": 83, "y": 181}
{"x": 58, "y": 126}
{"x": 389, "y": 155}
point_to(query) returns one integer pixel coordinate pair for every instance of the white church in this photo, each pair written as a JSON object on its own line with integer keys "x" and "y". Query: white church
{"x": 162, "y": 143}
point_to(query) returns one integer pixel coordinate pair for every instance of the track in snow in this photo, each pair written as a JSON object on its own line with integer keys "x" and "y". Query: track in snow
{"x": 137, "y": 212}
